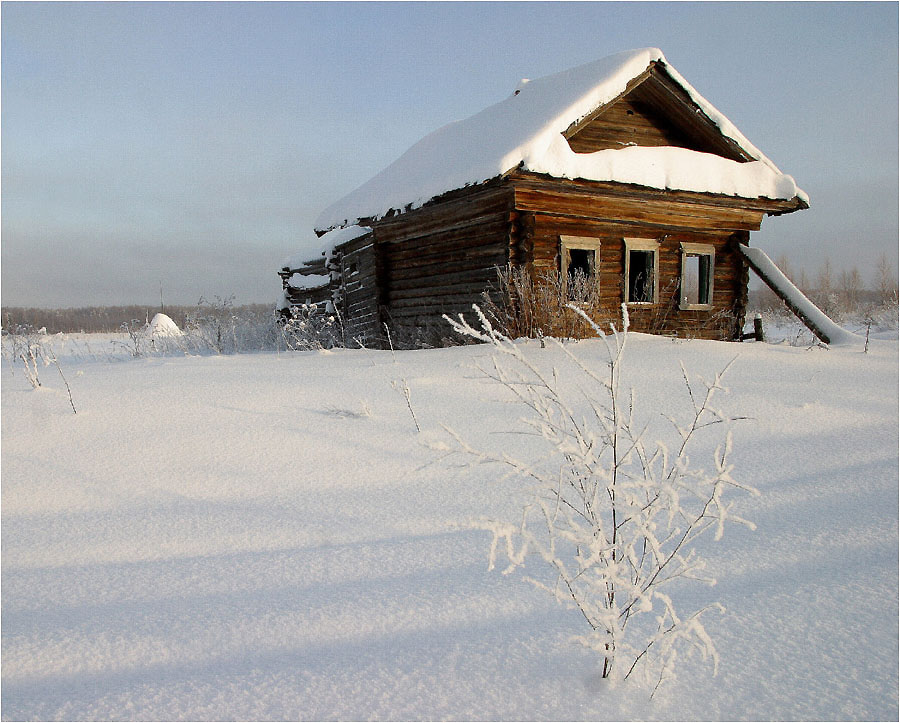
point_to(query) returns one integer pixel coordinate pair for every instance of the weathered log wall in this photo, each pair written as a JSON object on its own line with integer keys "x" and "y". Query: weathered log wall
{"x": 439, "y": 259}
{"x": 297, "y": 296}
{"x": 358, "y": 291}
{"x": 552, "y": 209}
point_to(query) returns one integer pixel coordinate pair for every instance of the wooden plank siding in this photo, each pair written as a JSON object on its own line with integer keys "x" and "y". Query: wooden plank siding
{"x": 440, "y": 258}
{"x": 628, "y": 122}
{"x": 553, "y": 209}
{"x": 653, "y": 110}
{"x": 358, "y": 292}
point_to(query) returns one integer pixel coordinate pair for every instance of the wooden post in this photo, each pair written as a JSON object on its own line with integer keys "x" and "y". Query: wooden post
{"x": 758, "y": 332}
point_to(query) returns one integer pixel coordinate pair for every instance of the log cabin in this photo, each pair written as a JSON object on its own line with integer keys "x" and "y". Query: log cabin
{"x": 616, "y": 177}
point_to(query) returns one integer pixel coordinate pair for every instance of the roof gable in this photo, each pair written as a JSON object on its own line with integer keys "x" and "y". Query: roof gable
{"x": 654, "y": 110}
{"x": 526, "y": 130}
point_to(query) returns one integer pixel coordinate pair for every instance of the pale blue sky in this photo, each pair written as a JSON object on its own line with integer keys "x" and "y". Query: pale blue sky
{"x": 192, "y": 145}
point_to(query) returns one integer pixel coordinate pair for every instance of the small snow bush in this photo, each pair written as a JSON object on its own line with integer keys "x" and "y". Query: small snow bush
{"x": 614, "y": 512}
{"x": 137, "y": 341}
{"x": 23, "y": 344}
{"x": 522, "y": 305}
{"x": 312, "y": 326}
{"x": 34, "y": 350}
{"x": 219, "y": 327}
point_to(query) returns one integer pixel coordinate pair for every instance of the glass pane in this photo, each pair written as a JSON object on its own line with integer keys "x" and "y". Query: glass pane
{"x": 705, "y": 280}
{"x": 695, "y": 279}
{"x": 690, "y": 281}
{"x": 581, "y": 261}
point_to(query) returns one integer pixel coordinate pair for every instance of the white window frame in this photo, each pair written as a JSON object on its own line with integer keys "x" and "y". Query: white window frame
{"x": 694, "y": 249}
{"x": 581, "y": 243}
{"x": 641, "y": 244}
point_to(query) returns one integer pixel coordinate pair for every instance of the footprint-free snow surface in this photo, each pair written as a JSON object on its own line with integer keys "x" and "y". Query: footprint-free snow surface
{"x": 268, "y": 536}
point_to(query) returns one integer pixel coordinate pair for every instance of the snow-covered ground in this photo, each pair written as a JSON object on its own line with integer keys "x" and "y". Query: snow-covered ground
{"x": 267, "y": 536}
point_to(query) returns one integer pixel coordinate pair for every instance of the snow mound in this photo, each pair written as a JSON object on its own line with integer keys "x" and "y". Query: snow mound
{"x": 163, "y": 326}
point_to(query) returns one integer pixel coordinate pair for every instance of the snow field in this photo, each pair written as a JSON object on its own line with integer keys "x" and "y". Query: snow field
{"x": 267, "y": 537}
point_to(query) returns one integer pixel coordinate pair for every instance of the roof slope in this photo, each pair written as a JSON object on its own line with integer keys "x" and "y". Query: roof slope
{"x": 526, "y": 130}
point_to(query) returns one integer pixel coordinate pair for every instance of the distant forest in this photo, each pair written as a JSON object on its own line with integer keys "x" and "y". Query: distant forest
{"x": 111, "y": 318}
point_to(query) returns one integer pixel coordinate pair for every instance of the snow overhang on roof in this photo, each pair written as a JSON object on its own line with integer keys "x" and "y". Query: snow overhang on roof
{"x": 317, "y": 248}
{"x": 526, "y": 131}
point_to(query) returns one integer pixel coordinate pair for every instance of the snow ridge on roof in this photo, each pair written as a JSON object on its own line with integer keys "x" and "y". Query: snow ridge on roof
{"x": 526, "y": 130}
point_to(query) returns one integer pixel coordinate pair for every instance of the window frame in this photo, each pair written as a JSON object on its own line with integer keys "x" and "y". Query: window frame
{"x": 697, "y": 249}
{"x": 641, "y": 244}
{"x": 579, "y": 243}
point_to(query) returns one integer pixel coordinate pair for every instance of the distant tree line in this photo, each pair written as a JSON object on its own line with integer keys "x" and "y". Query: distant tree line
{"x": 112, "y": 318}
{"x": 842, "y": 294}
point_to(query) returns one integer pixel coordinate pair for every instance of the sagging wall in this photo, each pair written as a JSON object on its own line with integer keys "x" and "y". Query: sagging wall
{"x": 358, "y": 291}
{"x": 439, "y": 259}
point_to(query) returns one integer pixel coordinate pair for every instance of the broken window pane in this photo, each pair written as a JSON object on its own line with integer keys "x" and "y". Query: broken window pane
{"x": 640, "y": 276}
{"x": 580, "y": 261}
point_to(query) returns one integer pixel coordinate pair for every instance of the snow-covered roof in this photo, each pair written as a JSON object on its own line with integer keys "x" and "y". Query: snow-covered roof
{"x": 525, "y": 130}
{"x": 307, "y": 282}
{"x": 314, "y": 248}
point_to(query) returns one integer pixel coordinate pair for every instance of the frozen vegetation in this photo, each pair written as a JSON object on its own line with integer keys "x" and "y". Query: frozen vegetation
{"x": 278, "y": 535}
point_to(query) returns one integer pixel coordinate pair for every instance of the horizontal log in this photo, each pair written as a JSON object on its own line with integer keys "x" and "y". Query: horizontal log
{"x": 493, "y": 234}
{"x": 468, "y": 211}
{"x": 437, "y": 291}
{"x": 472, "y": 225}
{"x": 476, "y": 257}
{"x": 650, "y": 212}
{"x": 426, "y": 281}
{"x": 529, "y": 180}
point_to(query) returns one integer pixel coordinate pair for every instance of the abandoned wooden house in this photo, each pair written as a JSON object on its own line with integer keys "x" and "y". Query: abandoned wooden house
{"x": 615, "y": 178}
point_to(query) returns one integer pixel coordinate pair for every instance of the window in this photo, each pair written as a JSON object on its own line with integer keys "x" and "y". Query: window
{"x": 697, "y": 265}
{"x": 641, "y": 280}
{"x": 579, "y": 257}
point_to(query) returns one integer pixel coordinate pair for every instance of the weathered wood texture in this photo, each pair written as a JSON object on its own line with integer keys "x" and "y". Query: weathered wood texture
{"x": 358, "y": 291}
{"x": 547, "y": 212}
{"x": 297, "y": 296}
{"x": 439, "y": 259}
{"x": 628, "y": 122}
{"x": 652, "y": 111}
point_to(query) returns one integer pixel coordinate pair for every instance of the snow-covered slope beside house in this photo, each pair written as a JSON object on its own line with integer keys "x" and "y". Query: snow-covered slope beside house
{"x": 525, "y": 131}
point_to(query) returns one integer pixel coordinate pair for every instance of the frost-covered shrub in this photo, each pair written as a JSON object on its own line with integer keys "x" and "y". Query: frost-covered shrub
{"x": 25, "y": 345}
{"x": 137, "y": 341}
{"x": 523, "y": 306}
{"x": 312, "y": 326}
{"x": 35, "y": 350}
{"x": 613, "y": 512}
{"x": 218, "y": 327}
